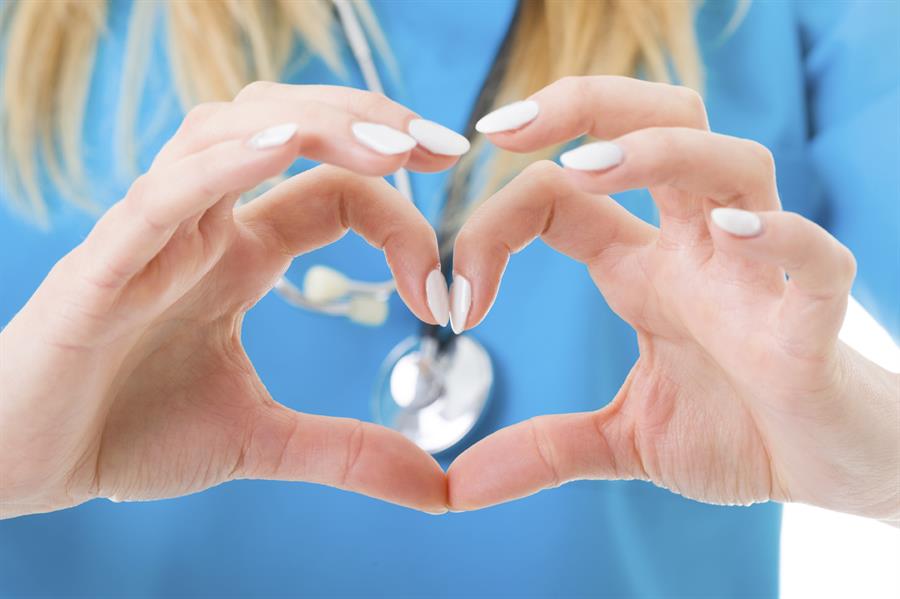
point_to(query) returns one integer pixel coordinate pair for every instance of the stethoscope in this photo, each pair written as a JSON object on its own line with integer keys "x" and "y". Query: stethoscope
{"x": 434, "y": 386}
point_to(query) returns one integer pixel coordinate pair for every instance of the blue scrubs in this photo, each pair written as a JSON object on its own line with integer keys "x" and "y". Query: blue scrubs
{"x": 815, "y": 82}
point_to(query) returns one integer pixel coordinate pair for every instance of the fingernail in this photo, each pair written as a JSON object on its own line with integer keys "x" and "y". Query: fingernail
{"x": 437, "y": 296}
{"x": 596, "y": 156}
{"x": 273, "y": 136}
{"x": 460, "y": 302}
{"x": 509, "y": 117}
{"x": 383, "y": 139}
{"x": 737, "y": 222}
{"x": 438, "y": 139}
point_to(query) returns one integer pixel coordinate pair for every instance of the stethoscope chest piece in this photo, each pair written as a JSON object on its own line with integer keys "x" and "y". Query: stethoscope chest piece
{"x": 433, "y": 394}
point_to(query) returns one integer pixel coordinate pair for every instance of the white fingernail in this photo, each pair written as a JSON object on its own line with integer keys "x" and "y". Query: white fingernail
{"x": 509, "y": 117}
{"x": 737, "y": 222}
{"x": 596, "y": 156}
{"x": 383, "y": 139}
{"x": 460, "y": 302}
{"x": 273, "y": 136}
{"x": 437, "y": 296}
{"x": 438, "y": 139}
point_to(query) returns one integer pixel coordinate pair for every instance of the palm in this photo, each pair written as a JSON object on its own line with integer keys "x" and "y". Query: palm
{"x": 161, "y": 399}
{"x": 188, "y": 392}
{"x": 178, "y": 423}
{"x": 708, "y": 331}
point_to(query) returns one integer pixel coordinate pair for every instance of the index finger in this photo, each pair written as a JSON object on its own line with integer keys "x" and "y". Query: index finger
{"x": 431, "y": 153}
{"x": 318, "y": 207}
{"x": 540, "y": 202}
{"x": 601, "y": 106}
{"x": 342, "y": 453}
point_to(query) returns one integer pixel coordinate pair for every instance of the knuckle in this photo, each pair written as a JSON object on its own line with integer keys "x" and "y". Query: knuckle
{"x": 353, "y": 450}
{"x": 544, "y": 449}
{"x": 762, "y": 155}
{"x": 369, "y": 102}
{"x": 693, "y": 102}
{"x": 465, "y": 238}
{"x": 139, "y": 201}
{"x": 542, "y": 170}
{"x": 795, "y": 222}
{"x": 545, "y": 175}
{"x": 546, "y": 181}
{"x": 255, "y": 89}
{"x": 199, "y": 114}
{"x": 571, "y": 84}
{"x": 138, "y": 192}
{"x": 846, "y": 264}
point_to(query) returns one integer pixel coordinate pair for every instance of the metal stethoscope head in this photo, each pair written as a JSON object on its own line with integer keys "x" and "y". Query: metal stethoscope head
{"x": 434, "y": 386}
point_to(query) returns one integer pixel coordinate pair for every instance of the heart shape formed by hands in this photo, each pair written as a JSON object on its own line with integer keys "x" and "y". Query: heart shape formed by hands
{"x": 150, "y": 394}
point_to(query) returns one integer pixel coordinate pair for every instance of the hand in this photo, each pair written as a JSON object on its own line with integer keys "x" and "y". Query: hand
{"x": 124, "y": 375}
{"x": 742, "y": 392}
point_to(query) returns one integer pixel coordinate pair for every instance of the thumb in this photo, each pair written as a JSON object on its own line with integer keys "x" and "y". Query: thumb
{"x": 343, "y": 453}
{"x": 541, "y": 453}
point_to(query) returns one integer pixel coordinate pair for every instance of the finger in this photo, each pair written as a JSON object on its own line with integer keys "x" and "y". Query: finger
{"x": 541, "y": 453}
{"x": 343, "y": 453}
{"x": 135, "y": 229}
{"x": 699, "y": 164}
{"x": 325, "y": 134}
{"x": 821, "y": 269}
{"x": 317, "y": 207}
{"x": 431, "y": 153}
{"x": 540, "y": 202}
{"x": 601, "y": 106}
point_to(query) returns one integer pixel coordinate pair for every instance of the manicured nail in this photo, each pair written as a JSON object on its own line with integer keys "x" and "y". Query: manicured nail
{"x": 509, "y": 117}
{"x": 596, "y": 156}
{"x": 460, "y": 302}
{"x": 737, "y": 222}
{"x": 438, "y": 139}
{"x": 273, "y": 136}
{"x": 437, "y": 296}
{"x": 383, "y": 139}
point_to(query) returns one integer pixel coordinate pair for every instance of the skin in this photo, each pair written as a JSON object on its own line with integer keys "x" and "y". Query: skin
{"x": 124, "y": 376}
{"x": 742, "y": 392}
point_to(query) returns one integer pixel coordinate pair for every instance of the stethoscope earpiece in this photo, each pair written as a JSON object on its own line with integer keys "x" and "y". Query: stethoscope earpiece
{"x": 322, "y": 284}
{"x": 367, "y": 310}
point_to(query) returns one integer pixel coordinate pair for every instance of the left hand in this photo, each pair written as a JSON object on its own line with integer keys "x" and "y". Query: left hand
{"x": 742, "y": 392}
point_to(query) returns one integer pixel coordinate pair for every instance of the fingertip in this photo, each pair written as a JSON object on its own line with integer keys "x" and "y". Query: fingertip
{"x": 738, "y": 223}
{"x": 400, "y": 472}
{"x": 382, "y": 139}
{"x": 436, "y": 140}
{"x": 460, "y": 303}
{"x": 488, "y": 473}
{"x": 508, "y": 119}
{"x": 437, "y": 296}
{"x": 422, "y": 161}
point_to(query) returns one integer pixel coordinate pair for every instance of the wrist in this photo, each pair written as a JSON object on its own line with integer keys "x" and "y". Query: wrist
{"x": 870, "y": 396}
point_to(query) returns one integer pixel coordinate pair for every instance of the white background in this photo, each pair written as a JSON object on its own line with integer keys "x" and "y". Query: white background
{"x": 824, "y": 554}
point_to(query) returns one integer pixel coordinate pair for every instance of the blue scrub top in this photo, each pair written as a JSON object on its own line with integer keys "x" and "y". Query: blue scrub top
{"x": 815, "y": 82}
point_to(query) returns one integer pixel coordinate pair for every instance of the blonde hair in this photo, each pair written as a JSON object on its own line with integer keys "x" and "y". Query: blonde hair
{"x": 51, "y": 46}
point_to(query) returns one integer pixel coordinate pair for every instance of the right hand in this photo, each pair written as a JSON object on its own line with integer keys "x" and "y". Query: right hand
{"x": 124, "y": 375}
